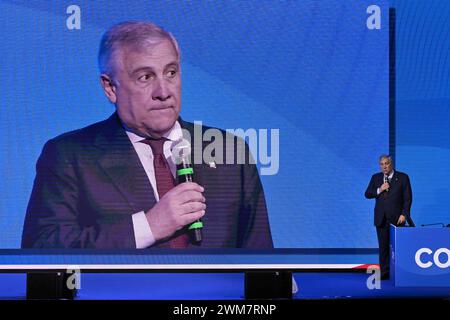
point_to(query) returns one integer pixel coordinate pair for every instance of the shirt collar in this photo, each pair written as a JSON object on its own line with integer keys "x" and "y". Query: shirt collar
{"x": 174, "y": 134}
{"x": 391, "y": 175}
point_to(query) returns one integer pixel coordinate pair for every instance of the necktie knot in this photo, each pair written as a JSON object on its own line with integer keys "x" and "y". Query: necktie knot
{"x": 157, "y": 145}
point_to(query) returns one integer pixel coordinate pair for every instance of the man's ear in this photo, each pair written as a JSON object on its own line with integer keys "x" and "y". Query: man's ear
{"x": 108, "y": 87}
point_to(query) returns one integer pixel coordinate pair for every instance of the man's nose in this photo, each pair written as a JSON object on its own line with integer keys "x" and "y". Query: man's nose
{"x": 160, "y": 90}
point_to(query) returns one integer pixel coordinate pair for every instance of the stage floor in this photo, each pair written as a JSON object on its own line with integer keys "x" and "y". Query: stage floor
{"x": 218, "y": 286}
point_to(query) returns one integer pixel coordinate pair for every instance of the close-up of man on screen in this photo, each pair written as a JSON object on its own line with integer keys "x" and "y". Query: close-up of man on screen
{"x": 112, "y": 185}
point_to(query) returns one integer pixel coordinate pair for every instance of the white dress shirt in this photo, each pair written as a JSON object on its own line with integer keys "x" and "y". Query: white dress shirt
{"x": 142, "y": 232}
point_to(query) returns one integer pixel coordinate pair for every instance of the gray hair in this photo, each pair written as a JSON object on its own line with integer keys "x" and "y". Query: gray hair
{"x": 135, "y": 34}
{"x": 385, "y": 156}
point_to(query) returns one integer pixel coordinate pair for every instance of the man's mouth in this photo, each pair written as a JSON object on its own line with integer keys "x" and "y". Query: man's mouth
{"x": 161, "y": 108}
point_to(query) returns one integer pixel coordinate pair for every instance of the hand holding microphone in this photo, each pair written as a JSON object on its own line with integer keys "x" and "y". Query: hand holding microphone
{"x": 385, "y": 186}
{"x": 181, "y": 206}
{"x": 181, "y": 152}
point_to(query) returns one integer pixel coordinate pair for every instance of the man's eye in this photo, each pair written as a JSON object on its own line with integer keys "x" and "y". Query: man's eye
{"x": 171, "y": 73}
{"x": 145, "y": 77}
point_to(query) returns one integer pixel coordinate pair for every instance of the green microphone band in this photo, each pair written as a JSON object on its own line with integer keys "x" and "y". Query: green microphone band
{"x": 182, "y": 172}
{"x": 196, "y": 225}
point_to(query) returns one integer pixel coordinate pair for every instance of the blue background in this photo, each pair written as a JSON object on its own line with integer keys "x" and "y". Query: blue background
{"x": 423, "y": 105}
{"x": 309, "y": 68}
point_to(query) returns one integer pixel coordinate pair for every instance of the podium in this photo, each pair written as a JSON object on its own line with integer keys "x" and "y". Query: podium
{"x": 420, "y": 257}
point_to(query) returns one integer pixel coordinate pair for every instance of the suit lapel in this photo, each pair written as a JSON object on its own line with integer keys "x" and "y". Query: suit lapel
{"x": 381, "y": 179}
{"x": 121, "y": 164}
{"x": 394, "y": 179}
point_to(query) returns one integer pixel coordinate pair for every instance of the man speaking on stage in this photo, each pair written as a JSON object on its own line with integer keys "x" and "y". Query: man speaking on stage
{"x": 393, "y": 194}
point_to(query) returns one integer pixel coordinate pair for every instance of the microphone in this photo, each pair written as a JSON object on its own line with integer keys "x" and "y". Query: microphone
{"x": 386, "y": 180}
{"x": 433, "y": 224}
{"x": 181, "y": 152}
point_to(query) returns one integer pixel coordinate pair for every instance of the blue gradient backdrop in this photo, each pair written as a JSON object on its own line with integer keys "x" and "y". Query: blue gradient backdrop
{"x": 423, "y": 105}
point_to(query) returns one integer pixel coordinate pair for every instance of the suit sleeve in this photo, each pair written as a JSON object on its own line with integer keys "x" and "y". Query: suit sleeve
{"x": 254, "y": 229}
{"x": 54, "y": 218}
{"x": 407, "y": 197}
{"x": 371, "y": 191}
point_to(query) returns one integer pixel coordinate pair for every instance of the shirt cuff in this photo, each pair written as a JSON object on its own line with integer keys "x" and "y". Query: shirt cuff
{"x": 378, "y": 191}
{"x": 143, "y": 235}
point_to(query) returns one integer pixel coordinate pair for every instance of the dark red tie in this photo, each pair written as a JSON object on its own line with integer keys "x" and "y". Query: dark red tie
{"x": 165, "y": 182}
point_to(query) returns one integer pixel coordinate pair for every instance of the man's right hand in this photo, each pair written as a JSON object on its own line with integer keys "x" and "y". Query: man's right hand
{"x": 180, "y": 206}
{"x": 384, "y": 187}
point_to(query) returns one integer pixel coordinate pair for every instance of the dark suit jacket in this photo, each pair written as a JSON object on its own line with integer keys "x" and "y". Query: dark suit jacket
{"x": 395, "y": 202}
{"x": 90, "y": 181}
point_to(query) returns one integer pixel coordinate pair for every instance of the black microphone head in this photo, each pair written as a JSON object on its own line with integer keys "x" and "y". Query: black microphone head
{"x": 386, "y": 180}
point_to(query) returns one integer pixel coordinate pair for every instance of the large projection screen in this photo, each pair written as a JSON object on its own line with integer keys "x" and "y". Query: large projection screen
{"x": 311, "y": 78}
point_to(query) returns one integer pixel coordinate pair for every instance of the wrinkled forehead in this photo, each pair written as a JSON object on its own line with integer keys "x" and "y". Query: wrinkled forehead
{"x": 121, "y": 51}
{"x": 384, "y": 161}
